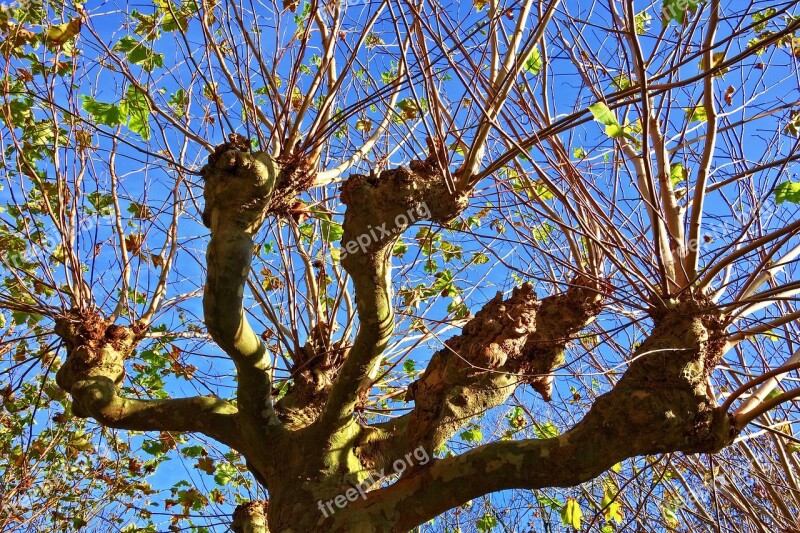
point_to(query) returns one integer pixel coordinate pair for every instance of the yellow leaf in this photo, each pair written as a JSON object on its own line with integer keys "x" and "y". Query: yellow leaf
{"x": 571, "y": 514}
{"x": 61, "y": 33}
{"x": 612, "y": 509}
{"x": 364, "y": 125}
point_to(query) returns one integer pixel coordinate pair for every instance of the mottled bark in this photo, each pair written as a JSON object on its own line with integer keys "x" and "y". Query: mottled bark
{"x": 310, "y": 450}
{"x": 508, "y": 343}
{"x": 661, "y": 404}
{"x": 379, "y": 209}
{"x": 250, "y": 518}
{"x": 238, "y": 189}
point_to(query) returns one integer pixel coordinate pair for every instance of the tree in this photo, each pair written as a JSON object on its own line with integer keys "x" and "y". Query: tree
{"x": 442, "y": 251}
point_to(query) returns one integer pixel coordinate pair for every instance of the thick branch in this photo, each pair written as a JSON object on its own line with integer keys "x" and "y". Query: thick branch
{"x": 95, "y": 367}
{"x": 238, "y": 190}
{"x": 98, "y": 397}
{"x": 606, "y": 436}
{"x": 662, "y": 404}
{"x": 508, "y": 343}
{"x": 379, "y": 209}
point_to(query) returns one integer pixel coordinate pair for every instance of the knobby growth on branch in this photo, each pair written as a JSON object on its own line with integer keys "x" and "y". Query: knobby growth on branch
{"x": 442, "y": 251}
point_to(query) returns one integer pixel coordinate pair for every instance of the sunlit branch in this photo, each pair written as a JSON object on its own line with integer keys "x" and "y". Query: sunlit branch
{"x": 766, "y": 383}
{"x": 746, "y": 416}
{"x": 499, "y": 89}
{"x": 710, "y": 106}
{"x": 761, "y": 328}
{"x": 769, "y": 273}
{"x": 720, "y": 264}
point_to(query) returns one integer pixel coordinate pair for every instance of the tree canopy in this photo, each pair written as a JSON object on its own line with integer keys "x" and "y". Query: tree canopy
{"x": 399, "y": 265}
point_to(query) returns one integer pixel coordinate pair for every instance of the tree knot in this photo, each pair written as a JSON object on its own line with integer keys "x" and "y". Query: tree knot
{"x": 95, "y": 347}
{"x": 238, "y": 188}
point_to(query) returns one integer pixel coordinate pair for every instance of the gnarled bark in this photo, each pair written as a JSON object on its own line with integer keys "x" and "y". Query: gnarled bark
{"x": 379, "y": 209}
{"x": 311, "y": 450}
{"x": 508, "y": 343}
{"x": 238, "y": 190}
{"x": 661, "y": 404}
{"x": 94, "y": 370}
{"x": 251, "y": 517}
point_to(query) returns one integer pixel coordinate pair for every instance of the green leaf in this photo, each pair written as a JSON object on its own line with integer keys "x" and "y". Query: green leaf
{"x": 678, "y": 10}
{"x": 542, "y": 232}
{"x": 533, "y": 64}
{"x": 140, "y": 211}
{"x": 670, "y": 516}
{"x": 364, "y": 125}
{"x": 331, "y": 231}
{"x": 548, "y": 430}
{"x": 153, "y": 447}
{"x": 761, "y": 19}
{"x": 408, "y": 109}
{"x": 108, "y": 114}
{"x": 192, "y": 451}
{"x": 793, "y": 127}
{"x": 696, "y": 114}
{"x": 459, "y": 147}
{"x": 138, "y": 53}
{"x": 135, "y": 106}
{"x": 480, "y": 4}
{"x": 178, "y": 102}
{"x": 642, "y": 20}
{"x": 612, "y": 508}
{"x": 21, "y": 112}
{"x": 486, "y": 523}
{"x": 547, "y": 501}
{"x": 603, "y": 115}
{"x": 21, "y": 318}
{"x": 571, "y": 514}
{"x": 621, "y": 82}
{"x": 516, "y": 418}
{"x": 472, "y": 435}
{"x": 176, "y": 18}
{"x": 399, "y": 249}
{"x": 100, "y": 202}
{"x": 408, "y": 367}
{"x": 678, "y": 174}
{"x": 225, "y": 473}
{"x": 788, "y": 191}
{"x": 480, "y": 259}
